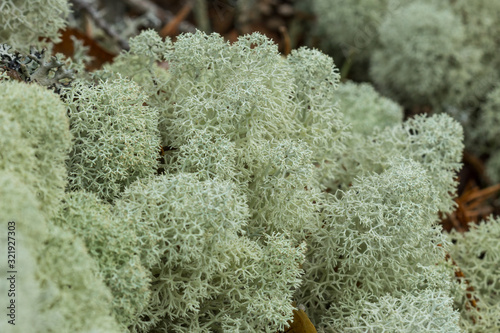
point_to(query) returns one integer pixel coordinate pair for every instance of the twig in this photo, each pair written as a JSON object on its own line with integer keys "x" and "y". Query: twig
{"x": 346, "y": 67}
{"x": 476, "y": 164}
{"x": 101, "y": 23}
{"x": 201, "y": 14}
{"x": 286, "y": 40}
{"x": 165, "y": 16}
{"x": 483, "y": 194}
{"x": 170, "y": 28}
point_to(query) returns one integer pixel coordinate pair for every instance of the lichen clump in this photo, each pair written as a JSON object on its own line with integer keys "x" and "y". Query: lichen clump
{"x": 210, "y": 196}
{"x": 23, "y": 22}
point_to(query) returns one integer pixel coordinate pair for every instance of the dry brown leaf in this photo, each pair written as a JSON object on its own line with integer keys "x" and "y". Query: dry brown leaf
{"x": 301, "y": 323}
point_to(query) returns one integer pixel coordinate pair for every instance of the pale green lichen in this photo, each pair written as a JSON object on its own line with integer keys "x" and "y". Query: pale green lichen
{"x": 116, "y": 139}
{"x": 365, "y": 109}
{"x": 254, "y": 294}
{"x": 57, "y": 284}
{"x": 379, "y": 238}
{"x": 283, "y": 190}
{"x": 240, "y": 90}
{"x": 140, "y": 65}
{"x": 38, "y": 141}
{"x": 350, "y": 26}
{"x": 493, "y": 167}
{"x": 249, "y": 140}
{"x": 408, "y": 64}
{"x": 25, "y": 23}
{"x": 489, "y": 117}
{"x": 481, "y": 17}
{"x": 192, "y": 232}
{"x": 182, "y": 223}
{"x": 20, "y": 214}
{"x": 485, "y": 135}
{"x": 420, "y": 311}
{"x": 316, "y": 105}
{"x": 73, "y": 295}
{"x": 208, "y": 156}
{"x": 256, "y": 107}
{"x": 114, "y": 246}
{"x": 436, "y": 142}
{"x": 476, "y": 254}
